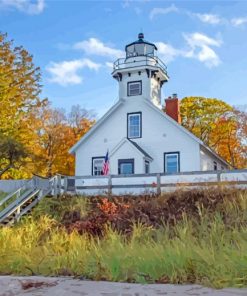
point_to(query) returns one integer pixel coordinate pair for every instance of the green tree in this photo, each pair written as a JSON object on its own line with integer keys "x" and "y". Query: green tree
{"x": 12, "y": 154}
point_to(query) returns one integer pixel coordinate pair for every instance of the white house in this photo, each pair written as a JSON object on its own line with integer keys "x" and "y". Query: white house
{"x": 139, "y": 136}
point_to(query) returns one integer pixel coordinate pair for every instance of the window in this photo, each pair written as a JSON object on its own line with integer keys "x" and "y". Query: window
{"x": 172, "y": 162}
{"x": 134, "y": 122}
{"x": 147, "y": 167}
{"x": 97, "y": 166}
{"x": 134, "y": 88}
{"x": 125, "y": 166}
{"x": 215, "y": 166}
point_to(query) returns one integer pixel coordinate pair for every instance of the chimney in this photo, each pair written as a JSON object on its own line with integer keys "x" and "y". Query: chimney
{"x": 172, "y": 108}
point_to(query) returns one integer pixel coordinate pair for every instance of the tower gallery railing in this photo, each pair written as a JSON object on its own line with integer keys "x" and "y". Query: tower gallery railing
{"x": 140, "y": 61}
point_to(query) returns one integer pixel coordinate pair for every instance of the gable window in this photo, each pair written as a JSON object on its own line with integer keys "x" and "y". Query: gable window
{"x": 134, "y": 88}
{"x": 147, "y": 167}
{"x": 125, "y": 166}
{"x": 172, "y": 162}
{"x": 134, "y": 122}
{"x": 97, "y": 166}
{"x": 215, "y": 165}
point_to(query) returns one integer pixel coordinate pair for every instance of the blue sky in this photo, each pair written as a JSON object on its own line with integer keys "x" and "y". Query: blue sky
{"x": 203, "y": 43}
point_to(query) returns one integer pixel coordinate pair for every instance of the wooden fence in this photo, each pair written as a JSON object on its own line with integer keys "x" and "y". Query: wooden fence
{"x": 149, "y": 183}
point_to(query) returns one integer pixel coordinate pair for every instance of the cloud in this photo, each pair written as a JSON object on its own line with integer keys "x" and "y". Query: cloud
{"x": 66, "y": 72}
{"x": 200, "y": 49}
{"x": 198, "y": 46}
{"x": 167, "y": 52}
{"x": 239, "y": 21}
{"x": 94, "y": 46}
{"x": 156, "y": 11}
{"x": 27, "y": 6}
{"x": 109, "y": 65}
{"x": 212, "y": 19}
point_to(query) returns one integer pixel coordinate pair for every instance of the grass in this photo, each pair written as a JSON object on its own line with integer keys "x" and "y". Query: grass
{"x": 209, "y": 249}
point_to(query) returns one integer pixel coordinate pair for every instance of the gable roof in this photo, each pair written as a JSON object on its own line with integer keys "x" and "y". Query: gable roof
{"x": 97, "y": 124}
{"x": 199, "y": 141}
{"x": 140, "y": 149}
{"x": 135, "y": 145}
{"x": 162, "y": 113}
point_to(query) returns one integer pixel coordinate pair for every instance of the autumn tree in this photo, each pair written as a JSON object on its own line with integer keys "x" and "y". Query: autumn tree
{"x": 218, "y": 125}
{"x": 19, "y": 92}
{"x": 56, "y": 133}
{"x": 12, "y": 154}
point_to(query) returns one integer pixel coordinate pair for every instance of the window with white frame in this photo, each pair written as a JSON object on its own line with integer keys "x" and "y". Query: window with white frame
{"x": 97, "y": 166}
{"x": 134, "y": 88}
{"x": 172, "y": 162}
{"x": 134, "y": 125}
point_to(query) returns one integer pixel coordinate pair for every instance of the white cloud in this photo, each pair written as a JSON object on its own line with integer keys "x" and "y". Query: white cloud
{"x": 239, "y": 21}
{"x": 156, "y": 11}
{"x": 94, "y": 46}
{"x": 66, "y": 72}
{"x": 27, "y": 6}
{"x": 212, "y": 19}
{"x": 167, "y": 52}
{"x": 109, "y": 65}
{"x": 198, "y": 46}
{"x": 200, "y": 49}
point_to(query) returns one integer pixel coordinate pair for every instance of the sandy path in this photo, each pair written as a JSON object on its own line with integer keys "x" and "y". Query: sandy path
{"x": 49, "y": 286}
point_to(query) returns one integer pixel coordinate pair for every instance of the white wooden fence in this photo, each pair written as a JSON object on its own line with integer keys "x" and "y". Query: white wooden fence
{"x": 11, "y": 185}
{"x": 138, "y": 183}
{"x": 149, "y": 183}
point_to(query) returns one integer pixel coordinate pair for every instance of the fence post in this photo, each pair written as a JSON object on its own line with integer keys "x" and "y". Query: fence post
{"x": 59, "y": 184}
{"x": 55, "y": 186}
{"x": 65, "y": 184}
{"x": 219, "y": 177}
{"x": 158, "y": 184}
{"x": 109, "y": 185}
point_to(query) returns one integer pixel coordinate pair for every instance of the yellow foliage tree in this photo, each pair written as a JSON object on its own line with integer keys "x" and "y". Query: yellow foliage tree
{"x": 218, "y": 125}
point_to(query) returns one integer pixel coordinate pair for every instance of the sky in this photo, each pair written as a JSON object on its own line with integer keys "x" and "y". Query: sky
{"x": 203, "y": 43}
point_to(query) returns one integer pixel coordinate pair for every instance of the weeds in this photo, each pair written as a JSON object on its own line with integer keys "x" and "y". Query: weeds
{"x": 205, "y": 241}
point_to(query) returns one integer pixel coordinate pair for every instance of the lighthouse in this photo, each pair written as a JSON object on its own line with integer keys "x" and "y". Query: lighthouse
{"x": 141, "y": 72}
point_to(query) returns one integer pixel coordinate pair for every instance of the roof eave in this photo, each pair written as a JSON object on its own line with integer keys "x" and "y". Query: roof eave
{"x": 73, "y": 149}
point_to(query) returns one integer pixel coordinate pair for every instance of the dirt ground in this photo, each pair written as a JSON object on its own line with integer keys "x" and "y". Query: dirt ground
{"x": 65, "y": 286}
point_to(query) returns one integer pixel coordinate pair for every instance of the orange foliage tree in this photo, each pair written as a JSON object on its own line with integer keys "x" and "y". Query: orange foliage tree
{"x": 55, "y": 133}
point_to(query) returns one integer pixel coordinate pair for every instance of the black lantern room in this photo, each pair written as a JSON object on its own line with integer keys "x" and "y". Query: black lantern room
{"x": 140, "y": 47}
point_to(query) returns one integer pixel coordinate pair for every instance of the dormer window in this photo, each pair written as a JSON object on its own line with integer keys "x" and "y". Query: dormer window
{"x": 134, "y": 88}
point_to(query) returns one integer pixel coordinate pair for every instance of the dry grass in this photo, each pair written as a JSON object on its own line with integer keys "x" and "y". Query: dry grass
{"x": 205, "y": 242}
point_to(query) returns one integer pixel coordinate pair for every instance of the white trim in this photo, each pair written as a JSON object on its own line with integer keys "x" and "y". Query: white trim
{"x": 98, "y": 158}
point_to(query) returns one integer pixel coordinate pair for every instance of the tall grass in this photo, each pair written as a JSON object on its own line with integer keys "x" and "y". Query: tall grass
{"x": 211, "y": 251}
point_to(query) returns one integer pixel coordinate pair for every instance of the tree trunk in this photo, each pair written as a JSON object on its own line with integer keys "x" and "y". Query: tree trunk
{"x": 5, "y": 170}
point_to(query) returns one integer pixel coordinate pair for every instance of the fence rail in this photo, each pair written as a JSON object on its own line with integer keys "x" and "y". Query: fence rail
{"x": 150, "y": 183}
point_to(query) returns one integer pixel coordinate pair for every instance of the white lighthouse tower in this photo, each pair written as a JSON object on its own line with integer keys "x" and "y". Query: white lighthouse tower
{"x": 141, "y": 72}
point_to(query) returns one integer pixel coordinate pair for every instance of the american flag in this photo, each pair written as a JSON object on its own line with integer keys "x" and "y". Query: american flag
{"x": 106, "y": 165}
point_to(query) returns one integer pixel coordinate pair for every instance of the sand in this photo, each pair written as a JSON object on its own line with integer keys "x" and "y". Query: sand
{"x": 66, "y": 286}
